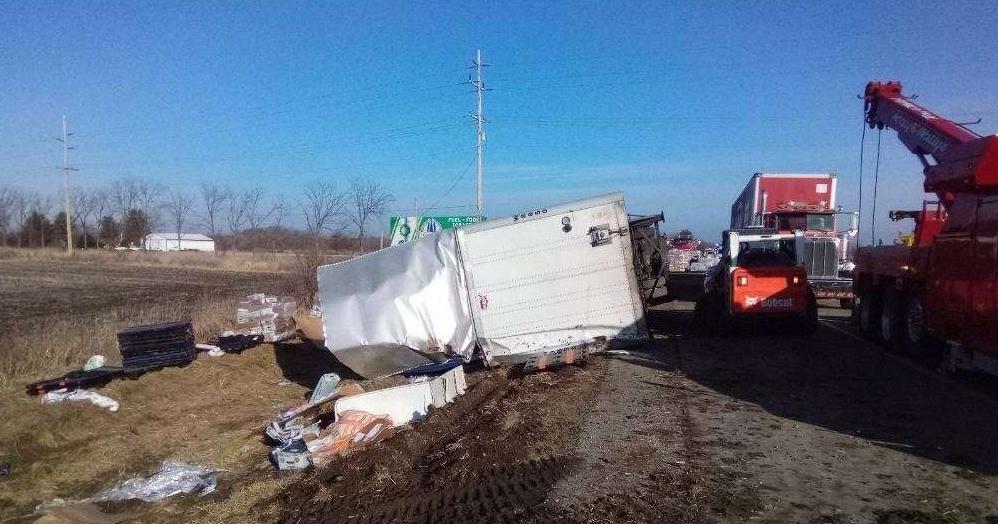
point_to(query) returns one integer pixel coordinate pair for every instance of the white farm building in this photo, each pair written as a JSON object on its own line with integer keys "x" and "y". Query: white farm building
{"x": 186, "y": 242}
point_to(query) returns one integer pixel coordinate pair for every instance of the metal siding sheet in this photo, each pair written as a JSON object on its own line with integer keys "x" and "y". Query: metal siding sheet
{"x": 383, "y": 312}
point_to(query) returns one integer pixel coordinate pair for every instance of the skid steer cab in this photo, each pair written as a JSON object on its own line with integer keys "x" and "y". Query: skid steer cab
{"x": 758, "y": 283}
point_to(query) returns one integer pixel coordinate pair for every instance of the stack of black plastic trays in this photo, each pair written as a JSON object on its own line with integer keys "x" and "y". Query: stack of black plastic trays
{"x": 157, "y": 345}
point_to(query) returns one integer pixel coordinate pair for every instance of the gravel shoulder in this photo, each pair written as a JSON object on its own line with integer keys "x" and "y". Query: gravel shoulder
{"x": 826, "y": 428}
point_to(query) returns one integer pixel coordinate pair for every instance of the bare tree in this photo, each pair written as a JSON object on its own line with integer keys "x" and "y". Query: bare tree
{"x": 148, "y": 202}
{"x": 322, "y": 207}
{"x": 85, "y": 206}
{"x": 178, "y": 206}
{"x": 8, "y": 197}
{"x": 280, "y": 210}
{"x": 40, "y": 206}
{"x": 238, "y": 209}
{"x": 22, "y": 208}
{"x": 213, "y": 198}
{"x": 368, "y": 199}
{"x": 102, "y": 205}
{"x": 124, "y": 193}
{"x": 257, "y": 212}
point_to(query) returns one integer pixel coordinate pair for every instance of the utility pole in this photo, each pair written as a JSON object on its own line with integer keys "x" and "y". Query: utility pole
{"x": 415, "y": 221}
{"x": 480, "y": 125}
{"x": 65, "y": 180}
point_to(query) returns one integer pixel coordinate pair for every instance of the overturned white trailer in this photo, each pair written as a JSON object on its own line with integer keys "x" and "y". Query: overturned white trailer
{"x": 517, "y": 287}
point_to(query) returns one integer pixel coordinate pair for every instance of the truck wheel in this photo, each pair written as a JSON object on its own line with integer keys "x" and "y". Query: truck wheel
{"x": 891, "y": 321}
{"x": 709, "y": 314}
{"x": 917, "y": 339}
{"x": 810, "y": 320}
{"x": 869, "y": 313}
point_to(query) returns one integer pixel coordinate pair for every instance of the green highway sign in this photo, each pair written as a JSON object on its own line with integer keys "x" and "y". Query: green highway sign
{"x": 404, "y": 229}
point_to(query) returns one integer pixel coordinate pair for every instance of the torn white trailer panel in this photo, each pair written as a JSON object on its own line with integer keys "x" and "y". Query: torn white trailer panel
{"x": 408, "y": 403}
{"x": 393, "y": 309}
{"x": 403, "y": 404}
{"x": 553, "y": 278}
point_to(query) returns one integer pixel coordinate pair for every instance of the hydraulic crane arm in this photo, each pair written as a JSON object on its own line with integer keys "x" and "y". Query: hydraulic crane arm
{"x": 954, "y": 158}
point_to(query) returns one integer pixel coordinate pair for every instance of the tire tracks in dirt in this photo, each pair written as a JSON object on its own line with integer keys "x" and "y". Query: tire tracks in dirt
{"x": 492, "y": 456}
{"x": 641, "y": 456}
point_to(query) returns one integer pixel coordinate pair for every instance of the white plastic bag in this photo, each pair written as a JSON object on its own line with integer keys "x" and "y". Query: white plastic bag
{"x": 94, "y": 362}
{"x": 173, "y": 478}
{"x": 94, "y": 398}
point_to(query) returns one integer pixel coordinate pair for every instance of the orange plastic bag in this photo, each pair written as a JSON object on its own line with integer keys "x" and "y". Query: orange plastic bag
{"x": 353, "y": 430}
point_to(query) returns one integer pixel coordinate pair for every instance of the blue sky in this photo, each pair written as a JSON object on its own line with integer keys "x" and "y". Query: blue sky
{"x": 676, "y": 104}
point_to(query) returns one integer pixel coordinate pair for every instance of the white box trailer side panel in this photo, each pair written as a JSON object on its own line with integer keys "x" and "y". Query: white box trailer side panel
{"x": 537, "y": 282}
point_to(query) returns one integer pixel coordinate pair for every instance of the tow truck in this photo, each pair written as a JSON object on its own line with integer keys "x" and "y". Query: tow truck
{"x": 758, "y": 280}
{"x": 938, "y": 291}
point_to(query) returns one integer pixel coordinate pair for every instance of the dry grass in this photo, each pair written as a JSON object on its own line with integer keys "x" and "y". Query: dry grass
{"x": 229, "y": 260}
{"x": 40, "y": 348}
{"x": 211, "y": 412}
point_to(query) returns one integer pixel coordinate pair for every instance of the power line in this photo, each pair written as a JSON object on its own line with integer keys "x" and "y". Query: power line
{"x": 259, "y": 121}
{"x": 454, "y": 184}
{"x": 257, "y": 110}
{"x": 310, "y": 146}
{"x": 820, "y": 38}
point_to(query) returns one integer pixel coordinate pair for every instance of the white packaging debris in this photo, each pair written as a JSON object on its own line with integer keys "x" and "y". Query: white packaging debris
{"x": 445, "y": 388}
{"x": 267, "y": 315}
{"x": 94, "y": 362}
{"x": 410, "y": 402}
{"x": 404, "y": 404}
{"x": 213, "y": 351}
{"x": 94, "y": 398}
{"x": 679, "y": 259}
{"x": 326, "y": 385}
{"x": 173, "y": 478}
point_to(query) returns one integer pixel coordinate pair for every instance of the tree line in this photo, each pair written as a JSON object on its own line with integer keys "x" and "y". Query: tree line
{"x": 123, "y": 212}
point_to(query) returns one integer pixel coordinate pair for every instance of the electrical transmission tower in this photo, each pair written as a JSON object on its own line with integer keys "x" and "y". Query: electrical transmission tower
{"x": 479, "y": 86}
{"x": 66, "y": 168}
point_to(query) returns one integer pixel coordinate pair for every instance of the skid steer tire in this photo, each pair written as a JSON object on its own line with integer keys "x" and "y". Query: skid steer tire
{"x": 810, "y": 325}
{"x": 710, "y": 316}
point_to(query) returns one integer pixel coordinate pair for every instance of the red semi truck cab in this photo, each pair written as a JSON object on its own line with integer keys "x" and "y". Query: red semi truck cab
{"x": 805, "y": 202}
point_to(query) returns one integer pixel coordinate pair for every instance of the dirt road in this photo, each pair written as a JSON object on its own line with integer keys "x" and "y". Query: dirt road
{"x": 692, "y": 429}
{"x": 772, "y": 429}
